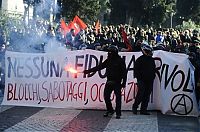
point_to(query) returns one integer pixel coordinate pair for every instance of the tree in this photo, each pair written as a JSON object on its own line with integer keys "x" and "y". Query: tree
{"x": 139, "y": 12}
{"x": 7, "y": 20}
{"x": 104, "y": 15}
{"x": 157, "y": 11}
{"x": 87, "y": 10}
{"x": 189, "y": 9}
{"x": 118, "y": 12}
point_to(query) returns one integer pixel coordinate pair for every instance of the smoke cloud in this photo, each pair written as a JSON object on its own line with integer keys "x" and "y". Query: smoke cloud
{"x": 40, "y": 34}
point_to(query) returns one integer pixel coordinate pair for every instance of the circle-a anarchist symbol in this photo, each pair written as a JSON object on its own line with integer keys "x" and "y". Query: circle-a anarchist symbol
{"x": 181, "y": 104}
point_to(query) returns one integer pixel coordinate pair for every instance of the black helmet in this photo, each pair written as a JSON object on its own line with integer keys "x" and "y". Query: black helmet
{"x": 160, "y": 46}
{"x": 146, "y": 49}
{"x": 113, "y": 49}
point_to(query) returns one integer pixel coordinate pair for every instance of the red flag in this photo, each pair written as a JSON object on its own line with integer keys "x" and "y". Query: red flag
{"x": 79, "y": 22}
{"x": 74, "y": 26}
{"x": 126, "y": 41}
{"x": 97, "y": 26}
{"x": 64, "y": 27}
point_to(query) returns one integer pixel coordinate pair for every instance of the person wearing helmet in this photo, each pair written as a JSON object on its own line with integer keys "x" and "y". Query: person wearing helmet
{"x": 159, "y": 46}
{"x": 144, "y": 72}
{"x": 146, "y": 49}
{"x": 116, "y": 79}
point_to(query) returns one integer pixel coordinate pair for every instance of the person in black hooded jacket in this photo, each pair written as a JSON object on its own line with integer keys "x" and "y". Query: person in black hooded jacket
{"x": 144, "y": 72}
{"x": 116, "y": 79}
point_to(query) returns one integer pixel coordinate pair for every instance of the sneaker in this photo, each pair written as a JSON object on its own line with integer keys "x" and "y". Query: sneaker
{"x": 108, "y": 114}
{"x": 118, "y": 117}
{"x": 134, "y": 111}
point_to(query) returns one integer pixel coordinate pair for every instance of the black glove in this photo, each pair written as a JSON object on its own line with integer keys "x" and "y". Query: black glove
{"x": 86, "y": 71}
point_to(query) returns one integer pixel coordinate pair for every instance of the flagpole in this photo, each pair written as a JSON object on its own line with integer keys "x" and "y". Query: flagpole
{"x": 78, "y": 9}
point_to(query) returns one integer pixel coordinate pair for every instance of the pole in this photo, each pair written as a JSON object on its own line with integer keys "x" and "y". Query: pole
{"x": 28, "y": 10}
{"x": 171, "y": 19}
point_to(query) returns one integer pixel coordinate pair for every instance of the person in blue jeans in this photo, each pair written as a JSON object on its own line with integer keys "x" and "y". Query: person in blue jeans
{"x": 144, "y": 72}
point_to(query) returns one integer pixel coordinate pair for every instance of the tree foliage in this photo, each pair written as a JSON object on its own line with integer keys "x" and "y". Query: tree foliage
{"x": 189, "y": 9}
{"x": 88, "y": 10}
{"x": 118, "y": 12}
{"x": 139, "y": 12}
{"x": 134, "y": 12}
{"x": 9, "y": 19}
{"x": 154, "y": 12}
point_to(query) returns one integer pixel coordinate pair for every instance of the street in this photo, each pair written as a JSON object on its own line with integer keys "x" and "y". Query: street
{"x": 35, "y": 119}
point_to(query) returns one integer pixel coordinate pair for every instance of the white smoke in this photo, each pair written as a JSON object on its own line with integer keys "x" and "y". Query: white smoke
{"x": 46, "y": 8}
{"x": 32, "y": 37}
{"x": 54, "y": 46}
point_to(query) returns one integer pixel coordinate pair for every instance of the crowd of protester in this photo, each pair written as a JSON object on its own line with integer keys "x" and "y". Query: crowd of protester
{"x": 35, "y": 38}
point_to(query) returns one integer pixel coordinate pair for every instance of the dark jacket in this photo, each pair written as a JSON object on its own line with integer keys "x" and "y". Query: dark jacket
{"x": 115, "y": 69}
{"x": 145, "y": 68}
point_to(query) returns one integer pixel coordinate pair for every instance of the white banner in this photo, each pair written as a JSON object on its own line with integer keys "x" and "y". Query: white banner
{"x": 41, "y": 80}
